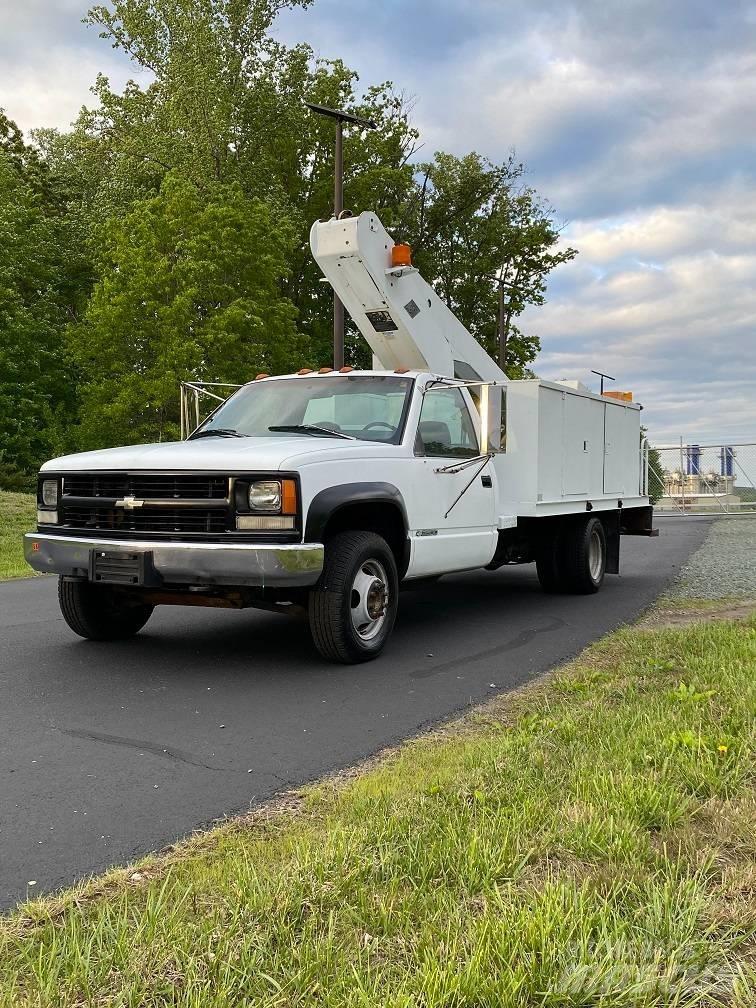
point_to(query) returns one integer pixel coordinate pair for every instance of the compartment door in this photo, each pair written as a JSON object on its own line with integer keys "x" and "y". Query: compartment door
{"x": 614, "y": 470}
{"x": 577, "y": 445}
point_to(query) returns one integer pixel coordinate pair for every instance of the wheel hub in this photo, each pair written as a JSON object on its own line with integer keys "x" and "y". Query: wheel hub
{"x": 369, "y": 599}
{"x": 595, "y": 555}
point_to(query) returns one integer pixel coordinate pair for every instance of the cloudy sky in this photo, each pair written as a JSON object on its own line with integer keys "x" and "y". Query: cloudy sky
{"x": 636, "y": 120}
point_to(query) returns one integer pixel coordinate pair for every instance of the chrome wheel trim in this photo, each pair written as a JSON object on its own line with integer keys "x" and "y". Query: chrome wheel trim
{"x": 369, "y": 600}
{"x": 595, "y": 555}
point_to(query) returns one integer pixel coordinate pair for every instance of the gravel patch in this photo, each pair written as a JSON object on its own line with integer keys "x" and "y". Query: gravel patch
{"x": 724, "y": 566}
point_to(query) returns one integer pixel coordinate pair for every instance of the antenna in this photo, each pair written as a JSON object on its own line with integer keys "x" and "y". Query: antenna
{"x": 602, "y": 376}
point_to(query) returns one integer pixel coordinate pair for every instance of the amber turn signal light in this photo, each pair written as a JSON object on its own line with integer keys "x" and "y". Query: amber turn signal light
{"x": 288, "y": 497}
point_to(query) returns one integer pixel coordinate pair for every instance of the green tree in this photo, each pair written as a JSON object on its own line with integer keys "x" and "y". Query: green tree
{"x": 226, "y": 102}
{"x": 40, "y": 270}
{"x": 656, "y": 472}
{"x": 190, "y": 288}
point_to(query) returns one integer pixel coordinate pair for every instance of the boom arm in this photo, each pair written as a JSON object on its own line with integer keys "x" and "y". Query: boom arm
{"x": 404, "y": 321}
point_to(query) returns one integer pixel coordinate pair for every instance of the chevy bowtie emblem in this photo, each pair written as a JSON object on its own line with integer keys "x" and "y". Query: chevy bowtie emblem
{"x": 129, "y": 503}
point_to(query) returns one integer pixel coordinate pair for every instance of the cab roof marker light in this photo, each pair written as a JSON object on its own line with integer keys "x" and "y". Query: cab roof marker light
{"x": 262, "y": 375}
{"x": 325, "y": 370}
{"x": 304, "y": 371}
{"x": 346, "y": 369}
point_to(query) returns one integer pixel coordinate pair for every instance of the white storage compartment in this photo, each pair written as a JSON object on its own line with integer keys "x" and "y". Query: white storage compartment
{"x": 565, "y": 446}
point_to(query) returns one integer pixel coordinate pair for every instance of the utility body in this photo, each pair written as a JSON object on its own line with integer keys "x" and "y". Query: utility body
{"x": 324, "y": 491}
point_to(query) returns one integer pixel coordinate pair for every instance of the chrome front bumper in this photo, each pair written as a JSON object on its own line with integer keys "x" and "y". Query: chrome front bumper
{"x": 252, "y": 564}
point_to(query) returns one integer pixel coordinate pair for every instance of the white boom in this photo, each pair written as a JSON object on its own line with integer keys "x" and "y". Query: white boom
{"x": 405, "y": 322}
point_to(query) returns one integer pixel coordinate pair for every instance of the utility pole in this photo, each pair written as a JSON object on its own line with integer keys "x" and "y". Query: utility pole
{"x": 338, "y": 207}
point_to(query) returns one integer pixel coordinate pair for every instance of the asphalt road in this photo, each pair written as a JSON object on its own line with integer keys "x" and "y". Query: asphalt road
{"x": 108, "y": 751}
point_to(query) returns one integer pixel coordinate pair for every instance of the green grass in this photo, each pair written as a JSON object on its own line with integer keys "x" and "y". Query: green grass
{"x": 18, "y": 514}
{"x": 590, "y": 841}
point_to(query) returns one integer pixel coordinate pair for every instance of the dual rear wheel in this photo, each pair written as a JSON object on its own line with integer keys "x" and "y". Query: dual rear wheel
{"x": 572, "y": 557}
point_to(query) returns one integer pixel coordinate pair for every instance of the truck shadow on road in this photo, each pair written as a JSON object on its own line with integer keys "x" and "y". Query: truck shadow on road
{"x": 461, "y": 618}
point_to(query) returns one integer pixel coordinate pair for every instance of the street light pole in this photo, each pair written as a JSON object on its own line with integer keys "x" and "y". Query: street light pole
{"x": 338, "y": 207}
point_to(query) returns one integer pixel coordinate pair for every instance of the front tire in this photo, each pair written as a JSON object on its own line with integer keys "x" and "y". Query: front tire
{"x": 352, "y": 608}
{"x": 98, "y": 612}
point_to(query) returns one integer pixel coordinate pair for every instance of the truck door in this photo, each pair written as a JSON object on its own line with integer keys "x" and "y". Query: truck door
{"x": 445, "y": 535}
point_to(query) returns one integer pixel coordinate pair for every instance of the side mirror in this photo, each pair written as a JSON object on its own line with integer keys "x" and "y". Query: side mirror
{"x": 493, "y": 418}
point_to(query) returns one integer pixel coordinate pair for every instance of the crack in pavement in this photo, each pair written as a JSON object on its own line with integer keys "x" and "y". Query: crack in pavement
{"x": 519, "y": 640}
{"x": 164, "y": 752}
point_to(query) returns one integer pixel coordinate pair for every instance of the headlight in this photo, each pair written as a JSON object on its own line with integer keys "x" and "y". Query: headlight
{"x": 265, "y": 495}
{"x": 50, "y": 493}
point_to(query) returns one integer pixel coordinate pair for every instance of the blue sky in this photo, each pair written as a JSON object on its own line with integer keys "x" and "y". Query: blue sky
{"x": 635, "y": 118}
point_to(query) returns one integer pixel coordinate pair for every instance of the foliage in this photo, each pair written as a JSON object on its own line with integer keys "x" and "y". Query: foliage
{"x": 588, "y": 842}
{"x": 214, "y": 133}
{"x": 227, "y": 103}
{"x": 190, "y": 288}
{"x": 656, "y": 473}
{"x": 38, "y": 281}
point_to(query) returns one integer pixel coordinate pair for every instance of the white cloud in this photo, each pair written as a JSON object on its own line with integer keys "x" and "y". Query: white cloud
{"x": 51, "y": 93}
{"x": 49, "y": 60}
{"x": 682, "y": 334}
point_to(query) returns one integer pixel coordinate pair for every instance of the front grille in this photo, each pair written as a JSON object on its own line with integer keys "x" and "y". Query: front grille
{"x": 164, "y": 519}
{"x": 129, "y": 505}
{"x": 155, "y": 486}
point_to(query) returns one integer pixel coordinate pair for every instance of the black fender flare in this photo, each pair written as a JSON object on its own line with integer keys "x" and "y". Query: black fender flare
{"x": 328, "y": 502}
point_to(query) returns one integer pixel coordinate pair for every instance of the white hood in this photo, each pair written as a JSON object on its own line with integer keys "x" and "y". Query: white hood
{"x": 217, "y": 453}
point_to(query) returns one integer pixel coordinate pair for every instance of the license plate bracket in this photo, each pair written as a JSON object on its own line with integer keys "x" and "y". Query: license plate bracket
{"x": 119, "y": 567}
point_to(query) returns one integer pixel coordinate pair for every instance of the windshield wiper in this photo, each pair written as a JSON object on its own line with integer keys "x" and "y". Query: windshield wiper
{"x": 216, "y": 432}
{"x": 311, "y": 429}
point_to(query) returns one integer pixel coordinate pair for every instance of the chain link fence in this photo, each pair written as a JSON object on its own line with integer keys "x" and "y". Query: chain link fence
{"x": 703, "y": 479}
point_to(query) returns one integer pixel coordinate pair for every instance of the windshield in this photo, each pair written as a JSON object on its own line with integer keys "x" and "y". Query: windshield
{"x": 371, "y": 408}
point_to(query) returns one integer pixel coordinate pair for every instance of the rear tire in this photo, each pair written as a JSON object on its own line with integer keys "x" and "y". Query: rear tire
{"x": 572, "y": 558}
{"x": 353, "y": 606}
{"x": 583, "y": 556}
{"x": 97, "y": 612}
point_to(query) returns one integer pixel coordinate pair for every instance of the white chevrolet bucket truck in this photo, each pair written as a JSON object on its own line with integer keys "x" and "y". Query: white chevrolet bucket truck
{"x": 325, "y": 491}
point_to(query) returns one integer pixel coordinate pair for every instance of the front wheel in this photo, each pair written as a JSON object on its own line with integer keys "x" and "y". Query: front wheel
{"x": 353, "y": 606}
{"x": 99, "y": 612}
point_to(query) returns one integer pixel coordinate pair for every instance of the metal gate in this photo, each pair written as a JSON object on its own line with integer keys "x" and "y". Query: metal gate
{"x": 704, "y": 479}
